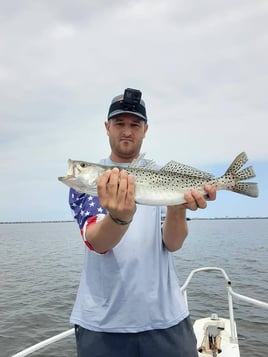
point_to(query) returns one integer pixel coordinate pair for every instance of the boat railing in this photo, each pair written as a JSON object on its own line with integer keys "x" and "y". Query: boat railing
{"x": 231, "y": 294}
{"x": 44, "y": 343}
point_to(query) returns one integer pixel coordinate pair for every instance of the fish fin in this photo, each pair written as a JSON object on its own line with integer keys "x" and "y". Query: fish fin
{"x": 238, "y": 162}
{"x": 245, "y": 174}
{"x": 178, "y": 167}
{"x": 247, "y": 188}
{"x": 141, "y": 162}
{"x": 136, "y": 162}
{"x": 149, "y": 165}
{"x": 233, "y": 169}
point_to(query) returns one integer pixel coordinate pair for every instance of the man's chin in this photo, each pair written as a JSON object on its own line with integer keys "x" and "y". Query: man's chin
{"x": 127, "y": 152}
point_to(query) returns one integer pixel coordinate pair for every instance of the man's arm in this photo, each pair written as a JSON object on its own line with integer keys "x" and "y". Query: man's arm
{"x": 175, "y": 227}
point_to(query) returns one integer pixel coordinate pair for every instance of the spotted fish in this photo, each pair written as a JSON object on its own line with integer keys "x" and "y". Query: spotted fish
{"x": 165, "y": 186}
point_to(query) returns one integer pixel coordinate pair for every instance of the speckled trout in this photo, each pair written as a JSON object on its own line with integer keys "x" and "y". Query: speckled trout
{"x": 165, "y": 186}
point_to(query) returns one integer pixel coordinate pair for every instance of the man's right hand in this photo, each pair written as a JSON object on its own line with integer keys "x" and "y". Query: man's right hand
{"x": 116, "y": 192}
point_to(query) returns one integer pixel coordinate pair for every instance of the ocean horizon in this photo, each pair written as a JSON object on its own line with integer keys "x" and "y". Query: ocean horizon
{"x": 188, "y": 218}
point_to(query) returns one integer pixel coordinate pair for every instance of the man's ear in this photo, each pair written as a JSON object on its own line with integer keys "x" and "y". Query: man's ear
{"x": 107, "y": 126}
{"x": 145, "y": 130}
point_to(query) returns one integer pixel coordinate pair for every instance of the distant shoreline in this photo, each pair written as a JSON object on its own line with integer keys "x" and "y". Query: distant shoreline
{"x": 189, "y": 219}
{"x": 27, "y": 222}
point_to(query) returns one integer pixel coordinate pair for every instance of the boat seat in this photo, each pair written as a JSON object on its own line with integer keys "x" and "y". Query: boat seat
{"x": 211, "y": 341}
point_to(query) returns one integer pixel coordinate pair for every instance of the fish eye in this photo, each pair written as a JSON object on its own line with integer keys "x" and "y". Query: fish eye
{"x": 83, "y": 164}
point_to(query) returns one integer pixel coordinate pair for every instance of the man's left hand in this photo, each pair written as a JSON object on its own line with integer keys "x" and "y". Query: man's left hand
{"x": 195, "y": 199}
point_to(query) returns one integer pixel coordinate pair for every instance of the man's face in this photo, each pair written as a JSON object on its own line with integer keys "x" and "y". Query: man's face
{"x": 126, "y": 133}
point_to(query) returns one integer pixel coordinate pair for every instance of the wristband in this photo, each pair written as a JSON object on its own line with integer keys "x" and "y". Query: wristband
{"x": 119, "y": 221}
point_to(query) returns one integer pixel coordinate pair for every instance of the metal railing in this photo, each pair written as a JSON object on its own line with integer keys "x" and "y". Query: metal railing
{"x": 231, "y": 294}
{"x": 44, "y": 343}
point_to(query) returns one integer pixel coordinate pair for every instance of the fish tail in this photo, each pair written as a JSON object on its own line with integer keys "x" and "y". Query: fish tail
{"x": 238, "y": 162}
{"x": 245, "y": 174}
{"x": 234, "y": 172}
{"x": 247, "y": 188}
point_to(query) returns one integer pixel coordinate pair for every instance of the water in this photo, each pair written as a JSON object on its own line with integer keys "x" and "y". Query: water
{"x": 40, "y": 268}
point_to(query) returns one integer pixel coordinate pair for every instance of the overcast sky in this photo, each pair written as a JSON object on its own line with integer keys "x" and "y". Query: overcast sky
{"x": 202, "y": 68}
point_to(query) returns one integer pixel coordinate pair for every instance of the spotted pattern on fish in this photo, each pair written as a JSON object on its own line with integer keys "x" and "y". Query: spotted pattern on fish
{"x": 167, "y": 185}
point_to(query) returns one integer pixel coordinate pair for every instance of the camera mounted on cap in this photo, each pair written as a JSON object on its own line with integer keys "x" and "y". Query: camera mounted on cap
{"x": 132, "y": 98}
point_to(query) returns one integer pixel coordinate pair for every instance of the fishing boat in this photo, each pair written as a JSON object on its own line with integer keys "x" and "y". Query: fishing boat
{"x": 216, "y": 335}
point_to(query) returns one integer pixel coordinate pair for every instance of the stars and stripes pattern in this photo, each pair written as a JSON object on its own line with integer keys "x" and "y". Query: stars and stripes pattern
{"x": 86, "y": 210}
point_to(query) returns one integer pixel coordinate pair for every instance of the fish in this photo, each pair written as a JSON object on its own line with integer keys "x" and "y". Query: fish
{"x": 165, "y": 186}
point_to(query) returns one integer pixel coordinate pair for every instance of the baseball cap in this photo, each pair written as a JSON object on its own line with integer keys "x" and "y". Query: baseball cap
{"x": 129, "y": 102}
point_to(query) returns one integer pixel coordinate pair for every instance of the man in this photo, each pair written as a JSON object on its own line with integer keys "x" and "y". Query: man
{"x": 129, "y": 303}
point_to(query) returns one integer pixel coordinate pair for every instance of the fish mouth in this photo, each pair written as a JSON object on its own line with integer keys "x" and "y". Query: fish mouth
{"x": 64, "y": 178}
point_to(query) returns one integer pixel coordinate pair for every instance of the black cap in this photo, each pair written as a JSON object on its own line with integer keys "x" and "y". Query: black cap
{"x": 129, "y": 102}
